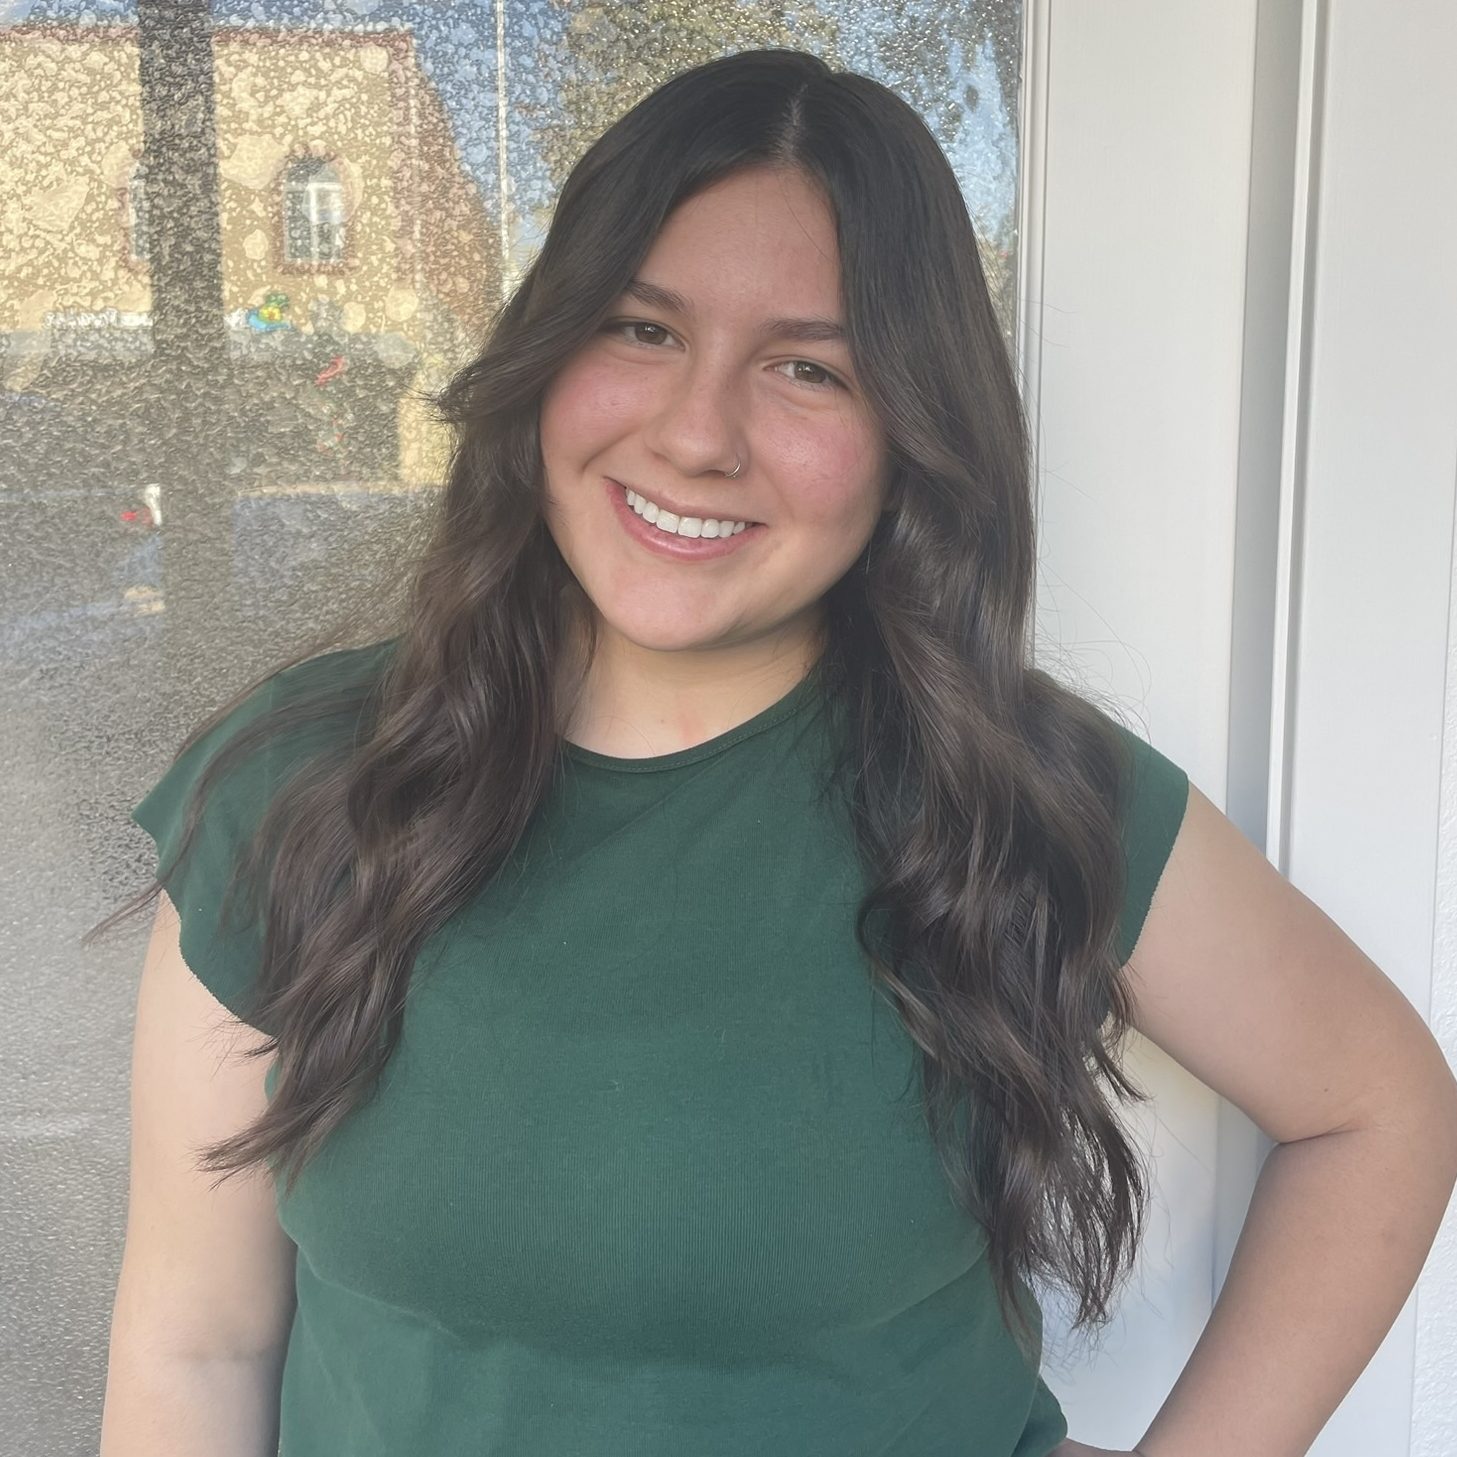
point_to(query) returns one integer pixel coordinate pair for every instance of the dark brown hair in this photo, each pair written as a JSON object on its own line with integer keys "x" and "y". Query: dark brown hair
{"x": 985, "y": 796}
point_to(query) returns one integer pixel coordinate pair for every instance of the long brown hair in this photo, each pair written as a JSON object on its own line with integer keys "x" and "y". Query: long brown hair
{"x": 985, "y": 796}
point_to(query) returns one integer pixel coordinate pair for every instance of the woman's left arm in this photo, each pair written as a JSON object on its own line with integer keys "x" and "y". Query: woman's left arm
{"x": 1250, "y": 986}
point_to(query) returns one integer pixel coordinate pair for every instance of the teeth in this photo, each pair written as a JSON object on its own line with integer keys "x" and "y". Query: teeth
{"x": 692, "y": 526}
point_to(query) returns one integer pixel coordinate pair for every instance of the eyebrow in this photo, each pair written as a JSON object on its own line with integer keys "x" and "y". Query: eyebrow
{"x": 805, "y": 331}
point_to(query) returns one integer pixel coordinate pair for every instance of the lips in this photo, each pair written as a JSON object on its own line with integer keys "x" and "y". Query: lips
{"x": 666, "y": 503}
{"x": 669, "y": 545}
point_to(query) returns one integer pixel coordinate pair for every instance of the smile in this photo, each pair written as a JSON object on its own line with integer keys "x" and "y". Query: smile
{"x": 690, "y": 526}
{"x": 685, "y": 538}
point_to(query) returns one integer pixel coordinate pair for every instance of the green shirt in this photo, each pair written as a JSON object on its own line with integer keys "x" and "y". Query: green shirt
{"x": 647, "y": 1173}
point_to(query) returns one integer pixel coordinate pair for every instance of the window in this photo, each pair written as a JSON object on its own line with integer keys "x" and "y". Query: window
{"x": 313, "y": 212}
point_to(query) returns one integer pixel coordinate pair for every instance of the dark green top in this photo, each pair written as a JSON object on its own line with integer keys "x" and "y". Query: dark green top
{"x": 647, "y": 1174}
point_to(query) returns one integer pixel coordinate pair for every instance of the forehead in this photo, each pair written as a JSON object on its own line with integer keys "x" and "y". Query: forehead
{"x": 757, "y": 247}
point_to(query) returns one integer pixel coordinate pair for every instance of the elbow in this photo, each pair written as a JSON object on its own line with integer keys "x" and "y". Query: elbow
{"x": 1445, "y": 1117}
{"x": 1420, "y": 1110}
{"x": 1428, "y": 1114}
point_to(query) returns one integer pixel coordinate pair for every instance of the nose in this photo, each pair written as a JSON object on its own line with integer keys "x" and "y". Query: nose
{"x": 698, "y": 423}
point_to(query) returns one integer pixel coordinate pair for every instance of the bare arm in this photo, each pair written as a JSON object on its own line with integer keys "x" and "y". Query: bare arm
{"x": 1248, "y": 984}
{"x": 165, "y": 1406}
{"x": 204, "y": 1300}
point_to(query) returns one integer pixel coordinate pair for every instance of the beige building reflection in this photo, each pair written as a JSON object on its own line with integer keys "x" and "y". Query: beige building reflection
{"x": 358, "y": 260}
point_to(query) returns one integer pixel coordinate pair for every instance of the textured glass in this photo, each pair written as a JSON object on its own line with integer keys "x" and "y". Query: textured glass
{"x": 237, "y": 242}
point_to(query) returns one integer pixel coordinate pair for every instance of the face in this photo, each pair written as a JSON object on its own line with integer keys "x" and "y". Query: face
{"x": 670, "y": 394}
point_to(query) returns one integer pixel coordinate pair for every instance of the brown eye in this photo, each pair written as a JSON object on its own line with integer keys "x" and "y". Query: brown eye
{"x": 828, "y": 383}
{"x": 618, "y": 325}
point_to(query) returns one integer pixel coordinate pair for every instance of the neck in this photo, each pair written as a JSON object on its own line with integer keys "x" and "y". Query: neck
{"x": 637, "y": 703}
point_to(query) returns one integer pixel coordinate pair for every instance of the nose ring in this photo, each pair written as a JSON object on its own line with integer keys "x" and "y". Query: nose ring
{"x": 738, "y": 466}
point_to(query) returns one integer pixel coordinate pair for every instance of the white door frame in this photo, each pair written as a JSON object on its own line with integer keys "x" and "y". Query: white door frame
{"x": 1237, "y": 331}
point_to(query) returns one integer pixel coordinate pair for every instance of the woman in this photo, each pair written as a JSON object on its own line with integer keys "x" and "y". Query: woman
{"x": 681, "y": 969}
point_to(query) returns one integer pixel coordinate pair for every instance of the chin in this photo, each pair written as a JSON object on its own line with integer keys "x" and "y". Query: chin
{"x": 656, "y": 637}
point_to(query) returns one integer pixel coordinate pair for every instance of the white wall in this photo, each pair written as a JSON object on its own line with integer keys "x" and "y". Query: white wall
{"x": 1137, "y": 152}
{"x": 1241, "y": 341}
{"x": 1371, "y": 640}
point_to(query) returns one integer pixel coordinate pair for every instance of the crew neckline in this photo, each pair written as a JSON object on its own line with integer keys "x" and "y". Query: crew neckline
{"x": 783, "y": 707}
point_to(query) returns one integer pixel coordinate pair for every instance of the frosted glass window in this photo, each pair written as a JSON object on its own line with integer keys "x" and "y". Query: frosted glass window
{"x": 237, "y": 242}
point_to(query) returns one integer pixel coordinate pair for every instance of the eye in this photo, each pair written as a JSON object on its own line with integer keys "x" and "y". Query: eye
{"x": 829, "y": 382}
{"x": 618, "y": 325}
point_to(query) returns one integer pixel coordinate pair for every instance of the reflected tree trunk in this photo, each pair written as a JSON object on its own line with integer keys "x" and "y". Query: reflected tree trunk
{"x": 187, "y": 387}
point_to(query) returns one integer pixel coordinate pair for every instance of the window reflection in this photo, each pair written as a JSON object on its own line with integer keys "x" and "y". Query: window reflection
{"x": 241, "y": 243}
{"x": 313, "y": 212}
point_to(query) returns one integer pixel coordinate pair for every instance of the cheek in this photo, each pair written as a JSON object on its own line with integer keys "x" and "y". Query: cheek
{"x": 832, "y": 475}
{"x": 586, "y": 404}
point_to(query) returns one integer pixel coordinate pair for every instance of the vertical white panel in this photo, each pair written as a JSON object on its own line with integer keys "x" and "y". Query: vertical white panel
{"x": 1371, "y": 604}
{"x": 1140, "y": 161}
{"x": 1241, "y": 344}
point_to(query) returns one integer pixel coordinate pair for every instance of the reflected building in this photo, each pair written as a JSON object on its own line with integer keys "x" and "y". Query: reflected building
{"x": 357, "y": 255}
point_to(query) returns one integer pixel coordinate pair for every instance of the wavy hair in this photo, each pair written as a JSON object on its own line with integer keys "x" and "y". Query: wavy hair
{"x": 985, "y": 797}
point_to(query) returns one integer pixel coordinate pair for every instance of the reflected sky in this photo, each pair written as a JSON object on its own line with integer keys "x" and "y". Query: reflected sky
{"x": 457, "y": 45}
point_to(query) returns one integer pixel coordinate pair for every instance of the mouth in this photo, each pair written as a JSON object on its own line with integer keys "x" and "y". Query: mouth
{"x": 665, "y": 537}
{"x": 678, "y": 512}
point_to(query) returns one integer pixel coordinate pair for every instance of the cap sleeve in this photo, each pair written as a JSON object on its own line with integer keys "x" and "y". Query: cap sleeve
{"x": 224, "y": 958}
{"x": 1154, "y": 808}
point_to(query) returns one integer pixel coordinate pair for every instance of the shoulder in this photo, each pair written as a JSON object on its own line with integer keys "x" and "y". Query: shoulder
{"x": 1152, "y": 802}
{"x": 319, "y": 702}
{"x": 206, "y": 809}
{"x": 254, "y": 754}
{"x": 1251, "y": 986}
{"x": 318, "y": 698}
{"x": 339, "y": 668}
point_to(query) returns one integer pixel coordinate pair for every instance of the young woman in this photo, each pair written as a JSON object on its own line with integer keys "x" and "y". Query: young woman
{"x": 673, "y": 983}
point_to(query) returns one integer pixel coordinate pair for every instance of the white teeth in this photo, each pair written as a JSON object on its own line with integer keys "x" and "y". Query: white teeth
{"x": 691, "y": 526}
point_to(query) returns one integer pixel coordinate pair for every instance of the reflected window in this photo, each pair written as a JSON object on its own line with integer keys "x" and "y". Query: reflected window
{"x": 313, "y": 212}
